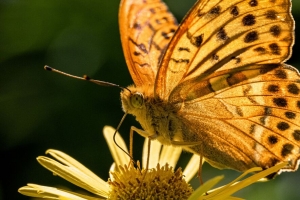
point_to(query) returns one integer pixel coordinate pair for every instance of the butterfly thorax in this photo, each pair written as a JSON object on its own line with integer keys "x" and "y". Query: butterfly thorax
{"x": 156, "y": 116}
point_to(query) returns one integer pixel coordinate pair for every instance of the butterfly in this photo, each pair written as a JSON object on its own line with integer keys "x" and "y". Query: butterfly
{"x": 216, "y": 84}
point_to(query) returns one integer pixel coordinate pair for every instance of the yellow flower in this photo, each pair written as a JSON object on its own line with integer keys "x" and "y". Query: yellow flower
{"x": 160, "y": 181}
{"x": 160, "y": 174}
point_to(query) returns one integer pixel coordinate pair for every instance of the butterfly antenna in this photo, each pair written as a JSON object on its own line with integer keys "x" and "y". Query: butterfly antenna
{"x": 102, "y": 83}
{"x": 85, "y": 78}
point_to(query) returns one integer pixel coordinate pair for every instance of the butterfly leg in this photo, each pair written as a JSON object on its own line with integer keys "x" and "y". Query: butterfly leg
{"x": 200, "y": 170}
{"x": 144, "y": 134}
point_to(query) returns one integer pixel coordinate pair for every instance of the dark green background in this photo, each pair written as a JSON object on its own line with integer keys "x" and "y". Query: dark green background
{"x": 41, "y": 110}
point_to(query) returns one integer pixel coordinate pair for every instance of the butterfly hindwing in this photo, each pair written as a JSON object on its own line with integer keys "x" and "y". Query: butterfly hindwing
{"x": 255, "y": 121}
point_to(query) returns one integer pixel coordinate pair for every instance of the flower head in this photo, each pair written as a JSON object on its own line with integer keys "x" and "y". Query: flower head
{"x": 125, "y": 180}
{"x": 158, "y": 181}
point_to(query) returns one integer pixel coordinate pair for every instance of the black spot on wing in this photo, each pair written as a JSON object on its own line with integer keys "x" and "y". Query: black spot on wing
{"x": 287, "y": 149}
{"x": 252, "y": 128}
{"x": 253, "y": 3}
{"x": 283, "y": 126}
{"x": 136, "y": 53}
{"x": 267, "y": 111}
{"x": 298, "y": 104}
{"x": 263, "y": 120}
{"x": 273, "y": 88}
{"x": 222, "y": 35}
{"x": 237, "y": 59}
{"x": 234, "y": 11}
{"x": 280, "y": 102}
{"x": 144, "y": 65}
{"x": 152, "y": 10}
{"x": 293, "y": 89}
{"x": 141, "y": 46}
{"x": 249, "y": 20}
{"x": 239, "y": 111}
{"x": 195, "y": 40}
{"x": 168, "y": 35}
{"x": 261, "y": 50}
{"x": 181, "y": 60}
{"x": 165, "y": 35}
{"x": 275, "y": 30}
{"x": 268, "y": 67}
{"x": 275, "y": 49}
{"x": 280, "y": 74}
{"x": 290, "y": 115}
{"x": 137, "y": 26}
{"x": 215, "y": 11}
{"x": 272, "y": 139}
{"x": 296, "y": 135}
{"x": 271, "y": 14}
{"x": 251, "y": 37}
{"x": 184, "y": 49}
{"x": 215, "y": 56}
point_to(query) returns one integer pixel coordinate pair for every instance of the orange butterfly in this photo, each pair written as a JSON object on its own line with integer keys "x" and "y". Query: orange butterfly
{"x": 215, "y": 85}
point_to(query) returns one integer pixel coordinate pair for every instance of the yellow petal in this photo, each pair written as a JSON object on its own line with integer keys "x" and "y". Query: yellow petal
{"x": 77, "y": 176}
{"x": 192, "y": 167}
{"x": 118, "y": 155}
{"x": 205, "y": 187}
{"x": 170, "y": 155}
{"x": 40, "y": 191}
{"x": 154, "y": 153}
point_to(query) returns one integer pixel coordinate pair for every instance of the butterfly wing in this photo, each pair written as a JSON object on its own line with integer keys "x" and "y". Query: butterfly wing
{"x": 223, "y": 70}
{"x": 146, "y": 28}
{"x": 217, "y": 35}
{"x": 252, "y": 123}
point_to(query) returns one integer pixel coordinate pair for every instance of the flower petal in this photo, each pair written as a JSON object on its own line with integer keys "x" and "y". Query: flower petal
{"x": 153, "y": 155}
{"x": 205, "y": 187}
{"x": 118, "y": 155}
{"x": 192, "y": 167}
{"x": 235, "y": 186}
{"x": 224, "y": 192}
{"x": 170, "y": 155}
{"x": 46, "y": 192}
{"x": 112, "y": 169}
{"x": 78, "y": 176}
{"x": 69, "y": 161}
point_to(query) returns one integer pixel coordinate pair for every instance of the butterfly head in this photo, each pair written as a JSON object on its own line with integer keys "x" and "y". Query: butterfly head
{"x": 132, "y": 100}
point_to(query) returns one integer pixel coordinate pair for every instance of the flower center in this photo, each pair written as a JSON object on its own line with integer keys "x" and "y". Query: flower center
{"x": 157, "y": 183}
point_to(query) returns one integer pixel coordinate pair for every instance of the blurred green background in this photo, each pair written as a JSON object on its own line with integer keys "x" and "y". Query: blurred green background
{"x": 41, "y": 110}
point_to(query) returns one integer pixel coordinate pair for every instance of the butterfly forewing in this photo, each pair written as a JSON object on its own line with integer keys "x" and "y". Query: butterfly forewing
{"x": 218, "y": 35}
{"x": 146, "y": 28}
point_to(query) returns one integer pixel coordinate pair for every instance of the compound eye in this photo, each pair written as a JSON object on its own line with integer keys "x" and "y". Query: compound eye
{"x": 137, "y": 100}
